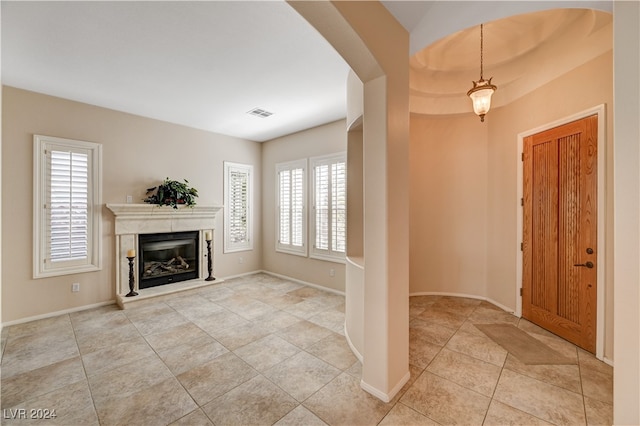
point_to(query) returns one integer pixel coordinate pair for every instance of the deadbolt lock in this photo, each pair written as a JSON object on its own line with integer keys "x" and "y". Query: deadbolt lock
{"x": 586, "y": 265}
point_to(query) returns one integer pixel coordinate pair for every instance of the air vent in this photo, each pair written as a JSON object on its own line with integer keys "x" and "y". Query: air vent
{"x": 259, "y": 112}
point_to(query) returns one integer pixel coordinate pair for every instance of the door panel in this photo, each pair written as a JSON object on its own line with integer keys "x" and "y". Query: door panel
{"x": 560, "y": 231}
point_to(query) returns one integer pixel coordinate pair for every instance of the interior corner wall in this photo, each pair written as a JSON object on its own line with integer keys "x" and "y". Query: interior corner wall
{"x": 464, "y": 189}
{"x": 138, "y": 153}
{"x": 448, "y": 204}
{"x": 323, "y": 140}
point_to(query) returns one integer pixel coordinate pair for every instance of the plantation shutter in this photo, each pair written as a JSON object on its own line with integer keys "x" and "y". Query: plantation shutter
{"x": 291, "y": 207}
{"x": 322, "y": 206}
{"x": 67, "y": 208}
{"x": 339, "y": 206}
{"x": 238, "y": 206}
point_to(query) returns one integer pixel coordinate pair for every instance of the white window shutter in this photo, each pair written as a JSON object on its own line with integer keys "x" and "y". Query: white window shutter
{"x": 237, "y": 207}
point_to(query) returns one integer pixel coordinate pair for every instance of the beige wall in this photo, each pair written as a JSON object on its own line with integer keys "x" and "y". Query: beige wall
{"x": 328, "y": 139}
{"x": 137, "y": 153}
{"x": 464, "y": 189}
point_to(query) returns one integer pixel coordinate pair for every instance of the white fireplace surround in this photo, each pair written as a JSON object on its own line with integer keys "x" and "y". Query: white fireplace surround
{"x": 132, "y": 220}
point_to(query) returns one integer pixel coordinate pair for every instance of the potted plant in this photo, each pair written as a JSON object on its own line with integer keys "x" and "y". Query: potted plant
{"x": 172, "y": 193}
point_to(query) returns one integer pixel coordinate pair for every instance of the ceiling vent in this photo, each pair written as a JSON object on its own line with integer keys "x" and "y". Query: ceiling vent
{"x": 259, "y": 112}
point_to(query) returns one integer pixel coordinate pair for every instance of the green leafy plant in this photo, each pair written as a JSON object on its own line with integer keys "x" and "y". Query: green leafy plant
{"x": 172, "y": 193}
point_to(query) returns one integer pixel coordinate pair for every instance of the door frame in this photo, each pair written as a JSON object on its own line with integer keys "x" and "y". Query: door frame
{"x": 600, "y": 110}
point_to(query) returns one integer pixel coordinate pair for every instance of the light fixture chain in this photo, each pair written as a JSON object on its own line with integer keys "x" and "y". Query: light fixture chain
{"x": 481, "y": 49}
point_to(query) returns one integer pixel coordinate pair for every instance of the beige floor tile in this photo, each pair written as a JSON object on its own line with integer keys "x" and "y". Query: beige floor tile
{"x": 355, "y": 370}
{"x": 401, "y": 415}
{"x": 542, "y": 400}
{"x": 34, "y": 383}
{"x": 94, "y": 340}
{"x": 435, "y": 333}
{"x": 423, "y": 301}
{"x": 598, "y": 413}
{"x": 304, "y": 334}
{"x": 219, "y": 320}
{"x": 500, "y": 414}
{"x": 491, "y": 315}
{"x": 216, "y": 292}
{"x": 597, "y": 385}
{"x": 442, "y": 317}
{"x": 41, "y": 348}
{"x": 445, "y": 402}
{"x": 237, "y": 336}
{"x": 282, "y": 286}
{"x": 158, "y": 323}
{"x": 478, "y": 346}
{"x": 301, "y": 375}
{"x": 256, "y": 402}
{"x": 159, "y": 404}
{"x": 195, "y": 418}
{"x": 115, "y": 356}
{"x": 278, "y": 300}
{"x": 103, "y": 318}
{"x": 245, "y": 306}
{"x": 566, "y": 376}
{"x": 306, "y": 309}
{"x": 192, "y": 354}
{"x": 200, "y": 307}
{"x": 300, "y": 416}
{"x": 421, "y": 349}
{"x": 46, "y": 326}
{"x": 266, "y": 352}
{"x": 306, "y": 292}
{"x": 459, "y": 305}
{"x": 216, "y": 377}
{"x": 175, "y": 336}
{"x": 335, "y": 350}
{"x": 588, "y": 362}
{"x": 147, "y": 310}
{"x": 276, "y": 321}
{"x": 71, "y": 405}
{"x": 343, "y": 402}
{"x": 331, "y": 319}
{"x": 124, "y": 381}
{"x": 479, "y": 376}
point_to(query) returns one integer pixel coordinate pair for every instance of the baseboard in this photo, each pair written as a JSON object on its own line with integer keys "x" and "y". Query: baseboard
{"x": 353, "y": 348}
{"x": 384, "y": 396}
{"x": 320, "y": 287}
{"x": 607, "y": 361}
{"x": 468, "y": 296}
{"x": 57, "y": 313}
{"x": 244, "y": 274}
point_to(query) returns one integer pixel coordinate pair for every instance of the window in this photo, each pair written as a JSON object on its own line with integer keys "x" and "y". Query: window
{"x": 237, "y": 207}
{"x": 67, "y": 206}
{"x": 291, "y": 223}
{"x": 329, "y": 216}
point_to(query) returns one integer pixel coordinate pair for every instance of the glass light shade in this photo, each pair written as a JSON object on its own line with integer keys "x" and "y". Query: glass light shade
{"x": 480, "y": 95}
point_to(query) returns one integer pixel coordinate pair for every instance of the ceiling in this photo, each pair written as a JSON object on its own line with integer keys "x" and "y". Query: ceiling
{"x": 206, "y": 64}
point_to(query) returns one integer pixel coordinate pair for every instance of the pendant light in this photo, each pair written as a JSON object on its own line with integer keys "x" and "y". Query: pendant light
{"x": 482, "y": 89}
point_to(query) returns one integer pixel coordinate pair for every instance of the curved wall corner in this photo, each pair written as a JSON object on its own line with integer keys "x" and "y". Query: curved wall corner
{"x": 354, "y": 305}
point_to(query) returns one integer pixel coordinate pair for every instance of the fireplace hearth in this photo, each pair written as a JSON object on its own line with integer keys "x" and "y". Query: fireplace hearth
{"x": 167, "y": 258}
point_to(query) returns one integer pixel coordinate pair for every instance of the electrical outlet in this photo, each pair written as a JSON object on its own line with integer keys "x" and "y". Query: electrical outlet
{"x": 75, "y": 287}
{"x": 129, "y": 199}
{"x": 332, "y": 272}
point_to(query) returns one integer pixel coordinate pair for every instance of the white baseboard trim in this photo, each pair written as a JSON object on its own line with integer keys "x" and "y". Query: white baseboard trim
{"x": 607, "y": 361}
{"x": 244, "y": 274}
{"x": 353, "y": 348}
{"x": 469, "y": 296}
{"x": 319, "y": 287}
{"x": 57, "y": 313}
{"x": 384, "y": 396}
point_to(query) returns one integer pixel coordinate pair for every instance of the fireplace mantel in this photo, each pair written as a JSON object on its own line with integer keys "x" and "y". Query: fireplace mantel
{"x": 134, "y": 219}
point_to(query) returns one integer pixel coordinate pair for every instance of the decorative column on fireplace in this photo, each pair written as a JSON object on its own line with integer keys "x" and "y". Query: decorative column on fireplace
{"x": 170, "y": 245}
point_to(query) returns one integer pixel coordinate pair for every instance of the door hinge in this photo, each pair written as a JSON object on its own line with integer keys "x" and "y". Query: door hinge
{"x": 522, "y": 201}
{"x": 522, "y": 157}
{"x": 521, "y": 246}
{"x": 520, "y": 291}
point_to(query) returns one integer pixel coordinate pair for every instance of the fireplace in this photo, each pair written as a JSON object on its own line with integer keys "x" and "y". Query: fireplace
{"x": 166, "y": 258}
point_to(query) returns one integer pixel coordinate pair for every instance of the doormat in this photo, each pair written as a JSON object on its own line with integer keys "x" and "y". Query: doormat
{"x": 522, "y": 345}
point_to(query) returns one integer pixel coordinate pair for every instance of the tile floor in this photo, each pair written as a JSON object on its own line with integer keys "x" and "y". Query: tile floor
{"x": 263, "y": 350}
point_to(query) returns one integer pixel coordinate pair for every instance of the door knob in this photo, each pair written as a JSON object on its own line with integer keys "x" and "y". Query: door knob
{"x": 588, "y": 264}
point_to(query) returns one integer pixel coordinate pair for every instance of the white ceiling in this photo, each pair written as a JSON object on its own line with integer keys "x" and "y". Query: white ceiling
{"x": 204, "y": 64}
{"x": 200, "y": 64}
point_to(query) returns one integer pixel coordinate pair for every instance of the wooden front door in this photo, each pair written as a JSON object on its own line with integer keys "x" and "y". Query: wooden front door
{"x": 560, "y": 231}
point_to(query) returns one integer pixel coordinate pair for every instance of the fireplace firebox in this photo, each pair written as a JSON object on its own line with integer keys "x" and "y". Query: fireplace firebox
{"x": 167, "y": 258}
